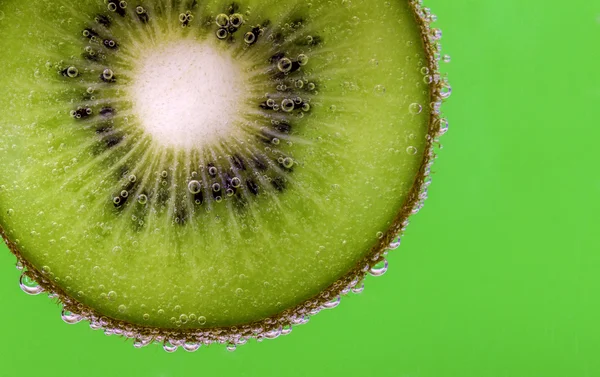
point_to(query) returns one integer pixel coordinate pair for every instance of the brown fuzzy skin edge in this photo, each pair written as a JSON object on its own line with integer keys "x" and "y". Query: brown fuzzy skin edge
{"x": 275, "y": 325}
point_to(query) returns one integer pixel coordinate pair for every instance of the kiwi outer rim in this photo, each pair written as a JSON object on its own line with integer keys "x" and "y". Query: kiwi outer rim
{"x": 272, "y": 326}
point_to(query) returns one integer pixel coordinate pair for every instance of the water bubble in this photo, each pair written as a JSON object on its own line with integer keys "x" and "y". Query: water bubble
{"x": 302, "y": 59}
{"x": 194, "y": 187}
{"x": 239, "y": 292}
{"x": 379, "y": 269}
{"x": 379, "y": 235}
{"x": 333, "y": 303}
{"x": 122, "y": 308}
{"x": 249, "y": 38}
{"x": 287, "y": 105}
{"x": 411, "y": 150}
{"x": 284, "y": 65}
{"x": 30, "y": 286}
{"x": 222, "y": 33}
{"x": 222, "y": 20}
{"x": 216, "y": 187}
{"x": 395, "y": 243}
{"x": 270, "y": 102}
{"x": 183, "y": 318}
{"x": 446, "y": 58}
{"x": 142, "y": 199}
{"x": 212, "y": 171}
{"x": 123, "y": 4}
{"x": 191, "y": 347}
{"x": 72, "y": 71}
{"x": 117, "y": 249}
{"x": 140, "y": 10}
{"x": 236, "y": 20}
{"x": 311, "y": 86}
{"x": 415, "y": 108}
{"x": 124, "y": 193}
{"x": 288, "y": 162}
{"x": 10, "y": 212}
{"x": 231, "y": 347}
{"x": 443, "y": 126}
{"x": 132, "y": 178}
{"x": 146, "y": 316}
{"x": 107, "y": 74}
{"x": 70, "y": 318}
{"x": 236, "y": 182}
{"x": 380, "y": 90}
{"x": 168, "y": 347}
{"x": 275, "y": 141}
{"x": 299, "y": 84}
{"x": 202, "y": 320}
{"x": 332, "y": 108}
{"x": 359, "y": 287}
{"x": 112, "y": 295}
{"x": 46, "y": 270}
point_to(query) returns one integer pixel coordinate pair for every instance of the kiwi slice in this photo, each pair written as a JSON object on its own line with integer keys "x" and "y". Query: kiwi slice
{"x": 197, "y": 171}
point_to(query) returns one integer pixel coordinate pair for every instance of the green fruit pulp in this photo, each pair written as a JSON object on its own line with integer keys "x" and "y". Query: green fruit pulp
{"x": 357, "y": 156}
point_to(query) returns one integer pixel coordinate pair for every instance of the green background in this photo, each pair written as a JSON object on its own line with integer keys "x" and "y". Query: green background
{"x": 497, "y": 276}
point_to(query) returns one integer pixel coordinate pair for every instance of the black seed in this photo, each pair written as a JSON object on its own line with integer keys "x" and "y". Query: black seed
{"x": 198, "y": 198}
{"x": 264, "y": 106}
{"x": 252, "y": 186}
{"x": 103, "y": 20}
{"x": 278, "y": 38}
{"x": 104, "y": 127}
{"x": 278, "y": 183}
{"x": 162, "y": 197}
{"x": 82, "y": 113}
{"x": 216, "y": 194}
{"x": 107, "y": 112}
{"x": 233, "y": 8}
{"x": 111, "y": 80}
{"x": 232, "y": 29}
{"x": 264, "y": 136}
{"x": 316, "y": 40}
{"x": 277, "y": 57}
{"x": 143, "y": 17}
{"x": 91, "y": 57}
{"x": 283, "y": 127}
{"x": 259, "y": 163}
{"x": 295, "y": 66}
{"x": 238, "y": 162}
{"x": 113, "y": 140}
{"x": 180, "y": 215}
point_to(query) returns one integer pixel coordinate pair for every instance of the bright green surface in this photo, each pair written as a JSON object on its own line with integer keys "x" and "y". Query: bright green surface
{"x": 354, "y": 166}
{"x": 496, "y": 277}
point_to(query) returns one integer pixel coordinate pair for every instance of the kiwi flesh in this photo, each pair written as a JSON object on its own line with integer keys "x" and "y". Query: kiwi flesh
{"x": 205, "y": 171}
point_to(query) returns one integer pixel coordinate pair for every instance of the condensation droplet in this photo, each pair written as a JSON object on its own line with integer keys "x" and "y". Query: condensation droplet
{"x": 415, "y": 108}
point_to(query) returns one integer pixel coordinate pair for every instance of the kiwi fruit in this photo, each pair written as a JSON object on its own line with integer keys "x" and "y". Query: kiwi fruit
{"x": 198, "y": 171}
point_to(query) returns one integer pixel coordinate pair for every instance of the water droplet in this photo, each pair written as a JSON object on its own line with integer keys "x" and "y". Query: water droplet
{"x": 379, "y": 235}
{"x": 379, "y": 90}
{"x": 122, "y": 308}
{"x": 379, "y": 269}
{"x": 194, "y": 187}
{"x": 29, "y": 286}
{"x": 446, "y": 58}
{"x": 183, "y": 318}
{"x": 302, "y": 59}
{"x": 284, "y": 65}
{"x": 168, "y": 347}
{"x": 117, "y": 249}
{"x": 333, "y": 303}
{"x": 191, "y": 347}
{"x": 288, "y": 162}
{"x": 222, "y": 20}
{"x": 202, "y": 320}
{"x": 443, "y": 126}
{"x": 107, "y": 74}
{"x": 70, "y": 318}
{"x": 415, "y": 108}
{"x": 239, "y": 292}
{"x": 146, "y": 316}
{"x": 142, "y": 199}
{"x": 411, "y": 150}
{"x": 287, "y": 105}
{"x": 112, "y": 295}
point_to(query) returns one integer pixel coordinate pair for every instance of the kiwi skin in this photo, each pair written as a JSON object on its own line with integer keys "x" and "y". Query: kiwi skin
{"x": 280, "y": 324}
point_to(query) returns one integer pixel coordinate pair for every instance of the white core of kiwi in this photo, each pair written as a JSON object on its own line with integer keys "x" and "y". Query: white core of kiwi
{"x": 187, "y": 94}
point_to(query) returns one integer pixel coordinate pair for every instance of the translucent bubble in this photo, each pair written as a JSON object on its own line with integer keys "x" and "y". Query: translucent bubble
{"x": 70, "y": 318}
{"x": 29, "y": 286}
{"x": 183, "y": 318}
{"x": 446, "y": 58}
{"x": 332, "y": 108}
{"x": 284, "y": 65}
{"x": 236, "y": 182}
{"x": 132, "y": 178}
{"x": 191, "y": 347}
{"x": 379, "y": 234}
{"x": 415, "y": 108}
{"x": 202, "y": 320}
{"x": 164, "y": 174}
{"x": 123, "y": 4}
{"x": 288, "y": 162}
{"x": 239, "y": 291}
{"x": 117, "y": 249}
{"x": 411, "y": 150}
{"x": 443, "y": 126}
{"x": 212, "y": 170}
{"x": 216, "y": 187}
{"x": 112, "y": 295}
{"x": 112, "y": 7}
{"x": 287, "y": 105}
{"x": 124, "y": 193}
{"x": 146, "y": 316}
{"x": 222, "y": 20}
{"x": 249, "y": 38}
{"x": 182, "y": 17}
{"x": 311, "y": 86}
{"x": 236, "y": 20}
{"x": 140, "y": 10}
{"x": 107, "y": 74}
{"x": 275, "y": 141}
{"x": 117, "y": 200}
{"x": 72, "y": 71}
{"x": 194, "y": 187}
{"x": 299, "y": 84}
{"x": 142, "y": 199}
{"x": 379, "y": 90}
{"x": 302, "y": 59}
{"x": 305, "y": 107}
{"x": 10, "y": 212}
{"x": 379, "y": 269}
{"x": 122, "y": 308}
{"x": 222, "y": 33}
